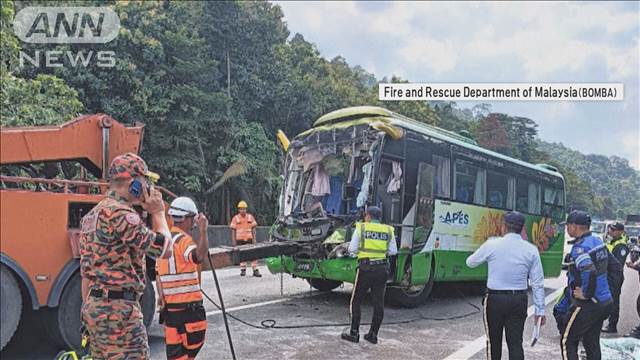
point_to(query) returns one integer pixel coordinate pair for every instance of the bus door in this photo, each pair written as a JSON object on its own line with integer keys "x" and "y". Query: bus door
{"x": 421, "y": 262}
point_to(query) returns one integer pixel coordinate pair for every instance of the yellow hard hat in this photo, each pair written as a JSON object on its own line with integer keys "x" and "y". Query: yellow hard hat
{"x": 242, "y": 205}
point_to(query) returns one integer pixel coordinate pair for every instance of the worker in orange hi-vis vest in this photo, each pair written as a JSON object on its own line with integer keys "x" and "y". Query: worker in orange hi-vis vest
{"x": 178, "y": 282}
{"x": 243, "y": 231}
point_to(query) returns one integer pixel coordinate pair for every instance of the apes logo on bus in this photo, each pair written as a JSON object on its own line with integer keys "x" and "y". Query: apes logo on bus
{"x": 455, "y": 218}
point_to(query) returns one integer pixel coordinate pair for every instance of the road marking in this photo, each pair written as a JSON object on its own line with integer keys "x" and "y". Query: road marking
{"x": 479, "y": 343}
{"x": 249, "y": 306}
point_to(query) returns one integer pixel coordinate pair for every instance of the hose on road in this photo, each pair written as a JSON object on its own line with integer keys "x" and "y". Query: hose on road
{"x": 272, "y": 324}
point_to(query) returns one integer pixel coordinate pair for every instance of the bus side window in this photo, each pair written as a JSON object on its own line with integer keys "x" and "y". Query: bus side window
{"x": 497, "y": 190}
{"x": 553, "y": 202}
{"x": 442, "y": 176}
{"x": 527, "y": 196}
{"x": 469, "y": 182}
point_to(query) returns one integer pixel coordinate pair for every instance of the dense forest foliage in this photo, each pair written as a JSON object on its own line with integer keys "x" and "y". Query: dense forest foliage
{"x": 612, "y": 184}
{"x": 213, "y": 81}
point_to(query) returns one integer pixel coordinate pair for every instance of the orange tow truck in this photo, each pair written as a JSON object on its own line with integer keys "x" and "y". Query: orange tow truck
{"x": 40, "y": 218}
{"x": 40, "y": 221}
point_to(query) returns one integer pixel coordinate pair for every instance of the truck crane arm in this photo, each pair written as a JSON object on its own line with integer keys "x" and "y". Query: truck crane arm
{"x": 93, "y": 140}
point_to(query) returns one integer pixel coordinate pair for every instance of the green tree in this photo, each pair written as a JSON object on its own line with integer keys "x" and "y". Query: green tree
{"x": 451, "y": 118}
{"x": 44, "y": 100}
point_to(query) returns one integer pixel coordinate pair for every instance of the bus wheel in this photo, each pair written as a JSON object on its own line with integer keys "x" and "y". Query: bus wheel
{"x": 323, "y": 284}
{"x": 148, "y": 303}
{"x": 10, "y": 304}
{"x": 412, "y": 296}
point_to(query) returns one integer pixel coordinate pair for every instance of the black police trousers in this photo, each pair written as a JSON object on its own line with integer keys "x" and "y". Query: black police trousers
{"x": 374, "y": 278}
{"x": 506, "y": 312}
{"x": 615, "y": 288}
{"x": 584, "y": 323}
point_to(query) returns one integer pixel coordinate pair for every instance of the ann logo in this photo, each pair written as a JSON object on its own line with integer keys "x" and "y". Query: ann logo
{"x": 66, "y": 25}
{"x": 41, "y": 25}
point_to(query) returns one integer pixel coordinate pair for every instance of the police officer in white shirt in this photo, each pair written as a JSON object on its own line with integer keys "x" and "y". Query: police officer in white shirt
{"x": 512, "y": 261}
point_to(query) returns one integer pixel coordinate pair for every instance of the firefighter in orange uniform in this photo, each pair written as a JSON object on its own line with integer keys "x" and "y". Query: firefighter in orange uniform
{"x": 178, "y": 283}
{"x": 243, "y": 231}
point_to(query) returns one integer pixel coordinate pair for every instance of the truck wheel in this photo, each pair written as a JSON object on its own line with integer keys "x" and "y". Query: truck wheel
{"x": 148, "y": 303}
{"x": 10, "y": 304}
{"x": 411, "y": 296}
{"x": 63, "y": 323}
{"x": 323, "y": 284}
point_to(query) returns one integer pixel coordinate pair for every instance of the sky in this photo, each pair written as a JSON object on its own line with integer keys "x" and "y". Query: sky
{"x": 498, "y": 42}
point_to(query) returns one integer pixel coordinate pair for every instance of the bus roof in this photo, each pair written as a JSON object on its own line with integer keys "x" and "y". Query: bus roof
{"x": 375, "y": 113}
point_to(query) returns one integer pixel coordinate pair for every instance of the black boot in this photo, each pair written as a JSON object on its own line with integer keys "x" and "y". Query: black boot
{"x": 371, "y": 337}
{"x": 243, "y": 272}
{"x": 635, "y": 333}
{"x": 256, "y": 273}
{"x": 611, "y": 328}
{"x": 350, "y": 335}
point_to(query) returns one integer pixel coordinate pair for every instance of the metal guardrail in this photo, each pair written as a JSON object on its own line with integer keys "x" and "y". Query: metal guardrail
{"x": 220, "y": 235}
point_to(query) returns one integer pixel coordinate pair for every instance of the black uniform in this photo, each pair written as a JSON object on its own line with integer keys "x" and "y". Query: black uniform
{"x": 615, "y": 277}
{"x": 373, "y": 278}
{"x": 635, "y": 257}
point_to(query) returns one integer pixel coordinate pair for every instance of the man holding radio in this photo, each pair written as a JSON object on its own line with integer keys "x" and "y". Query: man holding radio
{"x": 113, "y": 245}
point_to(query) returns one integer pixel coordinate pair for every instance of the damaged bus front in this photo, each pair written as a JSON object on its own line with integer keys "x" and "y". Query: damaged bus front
{"x": 332, "y": 172}
{"x": 443, "y": 194}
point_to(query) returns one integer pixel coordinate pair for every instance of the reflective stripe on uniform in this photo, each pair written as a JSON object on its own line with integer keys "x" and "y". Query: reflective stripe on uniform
{"x": 181, "y": 290}
{"x": 563, "y": 343}
{"x": 582, "y": 258}
{"x": 353, "y": 291}
{"x": 172, "y": 259}
{"x": 179, "y": 277}
{"x": 187, "y": 251}
{"x": 486, "y": 326}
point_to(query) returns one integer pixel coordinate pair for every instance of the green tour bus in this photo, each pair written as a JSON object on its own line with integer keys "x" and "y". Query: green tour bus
{"x": 444, "y": 194}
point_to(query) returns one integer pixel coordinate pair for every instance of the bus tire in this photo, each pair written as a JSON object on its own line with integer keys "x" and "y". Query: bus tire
{"x": 323, "y": 284}
{"x": 10, "y": 305}
{"x": 410, "y": 297}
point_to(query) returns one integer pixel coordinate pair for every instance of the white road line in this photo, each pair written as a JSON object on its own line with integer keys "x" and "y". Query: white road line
{"x": 478, "y": 344}
{"x": 249, "y": 306}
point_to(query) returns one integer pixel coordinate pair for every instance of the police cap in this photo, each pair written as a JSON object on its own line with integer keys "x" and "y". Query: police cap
{"x": 514, "y": 218}
{"x": 375, "y": 212}
{"x": 616, "y": 226}
{"x": 578, "y": 217}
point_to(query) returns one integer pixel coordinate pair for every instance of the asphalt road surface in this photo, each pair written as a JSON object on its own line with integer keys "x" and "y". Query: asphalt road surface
{"x": 423, "y": 335}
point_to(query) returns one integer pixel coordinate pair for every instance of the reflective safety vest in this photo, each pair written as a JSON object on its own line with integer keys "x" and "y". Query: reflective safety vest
{"x": 243, "y": 225}
{"x": 613, "y": 243}
{"x": 178, "y": 275}
{"x": 374, "y": 240}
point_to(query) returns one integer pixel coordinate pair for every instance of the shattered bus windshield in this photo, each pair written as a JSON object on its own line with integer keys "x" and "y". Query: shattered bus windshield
{"x": 328, "y": 179}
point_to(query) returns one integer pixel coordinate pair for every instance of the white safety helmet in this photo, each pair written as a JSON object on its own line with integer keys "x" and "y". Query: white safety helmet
{"x": 183, "y": 206}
